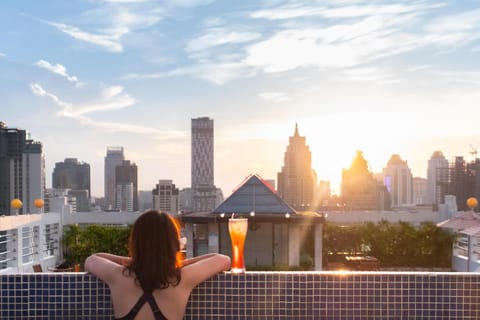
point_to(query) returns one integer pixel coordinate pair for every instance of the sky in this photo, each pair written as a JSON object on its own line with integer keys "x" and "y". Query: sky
{"x": 383, "y": 77}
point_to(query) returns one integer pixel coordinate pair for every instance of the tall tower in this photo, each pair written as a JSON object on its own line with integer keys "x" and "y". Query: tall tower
{"x": 437, "y": 175}
{"x": 22, "y": 170}
{"x": 204, "y": 190}
{"x": 297, "y": 179}
{"x": 113, "y": 158}
{"x": 399, "y": 181}
{"x": 126, "y": 183}
{"x": 359, "y": 188}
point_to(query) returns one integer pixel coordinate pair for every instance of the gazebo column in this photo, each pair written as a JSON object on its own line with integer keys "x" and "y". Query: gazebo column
{"x": 293, "y": 244}
{"x": 213, "y": 239}
{"x": 188, "y": 233}
{"x": 318, "y": 246}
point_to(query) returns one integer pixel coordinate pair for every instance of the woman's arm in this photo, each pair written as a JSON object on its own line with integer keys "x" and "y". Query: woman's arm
{"x": 114, "y": 258}
{"x": 186, "y": 262}
{"x": 204, "y": 267}
{"x": 103, "y": 265}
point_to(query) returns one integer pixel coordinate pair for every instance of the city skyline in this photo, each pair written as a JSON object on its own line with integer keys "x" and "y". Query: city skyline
{"x": 385, "y": 78}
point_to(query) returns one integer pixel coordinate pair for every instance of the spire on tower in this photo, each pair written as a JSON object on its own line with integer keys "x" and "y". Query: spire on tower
{"x": 295, "y": 134}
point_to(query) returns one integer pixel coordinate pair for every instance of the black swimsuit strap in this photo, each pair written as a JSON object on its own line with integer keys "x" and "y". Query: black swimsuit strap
{"x": 136, "y": 308}
{"x": 147, "y": 296}
{"x": 158, "y": 315}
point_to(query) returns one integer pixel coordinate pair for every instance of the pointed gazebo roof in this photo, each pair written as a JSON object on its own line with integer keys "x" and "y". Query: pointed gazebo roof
{"x": 254, "y": 195}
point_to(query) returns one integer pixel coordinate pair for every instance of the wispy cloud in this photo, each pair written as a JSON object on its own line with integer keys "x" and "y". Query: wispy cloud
{"x": 219, "y": 36}
{"x": 345, "y": 37}
{"x": 417, "y": 68}
{"x": 109, "y": 23}
{"x": 57, "y": 69}
{"x": 112, "y": 98}
{"x": 68, "y": 110}
{"x": 275, "y": 96}
{"x": 110, "y": 42}
{"x": 296, "y": 10}
{"x": 372, "y": 74}
{"x": 2, "y": 55}
{"x": 217, "y": 73}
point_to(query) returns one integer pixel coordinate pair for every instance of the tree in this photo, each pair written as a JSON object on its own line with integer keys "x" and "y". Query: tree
{"x": 79, "y": 242}
{"x": 393, "y": 244}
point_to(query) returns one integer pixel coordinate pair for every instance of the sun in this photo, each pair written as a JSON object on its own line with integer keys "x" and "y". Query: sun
{"x": 335, "y": 138}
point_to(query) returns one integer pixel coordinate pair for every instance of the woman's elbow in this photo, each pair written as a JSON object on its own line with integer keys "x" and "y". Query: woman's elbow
{"x": 90, "y": 263}
{"x": 225, "y": 262}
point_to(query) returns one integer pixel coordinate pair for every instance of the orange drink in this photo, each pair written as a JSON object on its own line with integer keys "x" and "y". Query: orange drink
{"x": 237, "y": 227}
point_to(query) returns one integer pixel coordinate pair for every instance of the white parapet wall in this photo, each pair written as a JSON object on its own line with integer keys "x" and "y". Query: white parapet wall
{"x": 28, "y": 240}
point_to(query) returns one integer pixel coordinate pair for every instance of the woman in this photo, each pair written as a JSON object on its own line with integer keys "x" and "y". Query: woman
{"x": 153, "y": 282}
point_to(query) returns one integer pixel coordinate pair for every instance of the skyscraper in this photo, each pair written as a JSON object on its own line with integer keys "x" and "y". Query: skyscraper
{"x": 126, "y": 185}
{"x": 360, "y": 190}
{"x": 22, "y": 170}
{"x": 204, "y": 190}
{"x": 71, "y": 174}
{"x": 398, "y": 179}
{"x": 113, "y": 158}
{"x": 165, "y": 197}
{"x": 437, "y": 175}
{"x": 297, "y": 179}
{"x": 74, "y": 175}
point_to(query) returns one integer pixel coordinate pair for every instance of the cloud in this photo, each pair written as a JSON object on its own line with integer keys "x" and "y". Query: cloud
{"x": 291, "y": 11}
{"x": 79, "y": 114}
{"x": 369, "y": 74}
{"x": 417, "y": 68}
{"x": 57, "y": 69}
{"x": 111, "y": 99}
{"x": 274, "y": 96}
{"x": 39, "y": 91}
{"x": 109, "y": 42}
{"x": 217, "y": 37}
{"x": 2, "y": 55}
{"x": 111, "y": 22}
{"x": 218, "y": 73}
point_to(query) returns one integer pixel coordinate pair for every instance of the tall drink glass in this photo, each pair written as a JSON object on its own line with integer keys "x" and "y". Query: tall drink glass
{"x": 237, "y": 227}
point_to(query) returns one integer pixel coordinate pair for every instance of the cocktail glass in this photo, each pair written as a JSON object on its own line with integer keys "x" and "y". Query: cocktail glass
{"x": 237, "y": 227}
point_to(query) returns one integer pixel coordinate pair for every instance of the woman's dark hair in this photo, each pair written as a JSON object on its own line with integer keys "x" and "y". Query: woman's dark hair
{"x": 154, "y": 249}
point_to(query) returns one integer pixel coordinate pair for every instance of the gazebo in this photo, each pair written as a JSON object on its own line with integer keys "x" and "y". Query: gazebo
{"x": 276, "y": 233}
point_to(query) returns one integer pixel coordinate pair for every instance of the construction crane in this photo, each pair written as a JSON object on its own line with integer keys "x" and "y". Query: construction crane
{"x": 474, "y": 151}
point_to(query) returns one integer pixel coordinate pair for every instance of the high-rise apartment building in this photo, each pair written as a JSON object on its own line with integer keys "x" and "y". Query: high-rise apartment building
{"x": 113, "y": 158}
{"x": 437, "y": 175}
{"x": 202, "y": 170}
{"x": 297, "y": 179}
{"x": 124, "y": 197}
{"x": 22, "y": 170}
{"x": 165, "y": 197}
{"x": 398, "y": 179}
{"x": 75, "y": 176}
{"x": 419, "y": 191}
{"x": 126, "y": 182}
